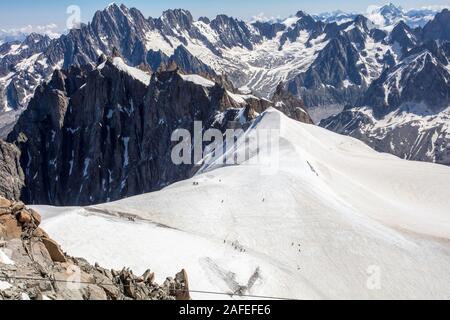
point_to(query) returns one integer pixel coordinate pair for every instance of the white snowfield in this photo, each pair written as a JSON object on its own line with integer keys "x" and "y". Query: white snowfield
{"x": 336, "y": 221}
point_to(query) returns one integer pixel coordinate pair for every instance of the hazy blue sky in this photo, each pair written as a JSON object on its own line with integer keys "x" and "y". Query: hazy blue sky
{"x": 20, "y": 13}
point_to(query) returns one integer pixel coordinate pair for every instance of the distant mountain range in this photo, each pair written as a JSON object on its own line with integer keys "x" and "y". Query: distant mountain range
{"x": 19, "y": 34}
{"x": 386, "y": 16}
{"x": 100, "y": 133}
{"x": 355, "y": 76}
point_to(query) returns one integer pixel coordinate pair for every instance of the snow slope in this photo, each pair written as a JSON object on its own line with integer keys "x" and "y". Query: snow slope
{"x": 335, "y": 218}
{"x": 201, "y": 81}
{"x": 386, "y": 16}
{"x": 134, "y": 72}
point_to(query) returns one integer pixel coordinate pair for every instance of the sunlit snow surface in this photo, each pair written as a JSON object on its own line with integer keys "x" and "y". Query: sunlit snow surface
{"x": 336, "y": 220}
{"x": 134, "y": 72}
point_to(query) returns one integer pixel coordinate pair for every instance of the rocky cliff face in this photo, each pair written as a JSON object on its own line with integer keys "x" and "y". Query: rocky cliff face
{"x": 11, "y": 174}
{"x": 411, "y": 132}
{"x": 33, "y": 266}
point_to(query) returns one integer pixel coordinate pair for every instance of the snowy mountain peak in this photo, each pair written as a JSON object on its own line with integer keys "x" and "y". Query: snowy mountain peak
{"x": 111, "y": 15}
{"x": 115, "y": 9}
{"x": 301, "y": 14}
{"x": 362, "y": 21}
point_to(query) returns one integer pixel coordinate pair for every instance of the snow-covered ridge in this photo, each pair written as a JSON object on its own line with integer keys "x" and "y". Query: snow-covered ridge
{"x": 240, "y": 99}
{"x": 134, "y": 72}
{"x": 201, "y": 81}
{"x": 334, "y": 211}
{"x": 415, "y": 114}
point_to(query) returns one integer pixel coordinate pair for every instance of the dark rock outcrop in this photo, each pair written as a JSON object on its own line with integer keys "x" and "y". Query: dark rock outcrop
{"x": 290, "y": 105}
{"x": 11, "y": 174}
{"x": 36, "y": 268}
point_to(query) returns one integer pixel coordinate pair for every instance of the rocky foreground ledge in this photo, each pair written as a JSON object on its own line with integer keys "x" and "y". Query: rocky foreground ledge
{"x": 33, "y": 266}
